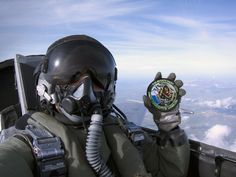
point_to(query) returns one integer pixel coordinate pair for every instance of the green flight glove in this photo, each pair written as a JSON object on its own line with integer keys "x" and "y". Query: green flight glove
{"x": 166, "y": 121}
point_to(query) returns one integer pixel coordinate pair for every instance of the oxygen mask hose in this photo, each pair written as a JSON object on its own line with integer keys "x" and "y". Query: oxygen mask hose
{"x": 93, "y": 145}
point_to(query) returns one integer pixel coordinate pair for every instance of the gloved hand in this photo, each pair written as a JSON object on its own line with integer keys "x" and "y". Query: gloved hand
{"x": 166, "y": 121}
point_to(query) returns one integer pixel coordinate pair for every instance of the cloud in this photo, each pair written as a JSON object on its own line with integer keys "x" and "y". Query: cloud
{"x": 180, "y": 21}
{"x": 233, "y": 146}
{"x": 196, "y": 24}
{"x": 225, "y": 103}
{"x": 184, "y": 117}
{"x": 32, "y": 25}
{"x": 134, "y": 101}
{"x": 142, "y": 38}
{"x": 163, "y": 47}
{"x": 56, "y": 12}
{"x": 191, "y": 85}
{"x": 217, "y": 134}
{"x": 194, "y": 137}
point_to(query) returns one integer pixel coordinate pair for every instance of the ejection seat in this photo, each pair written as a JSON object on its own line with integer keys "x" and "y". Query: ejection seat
{"x": 18, "y": 91}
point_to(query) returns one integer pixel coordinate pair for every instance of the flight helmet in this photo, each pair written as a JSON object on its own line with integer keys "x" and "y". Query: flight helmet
{"x": 70, "y": 58}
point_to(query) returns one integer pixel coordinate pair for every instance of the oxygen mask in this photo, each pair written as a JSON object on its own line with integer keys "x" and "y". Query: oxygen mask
{"x": 78, "y": 99}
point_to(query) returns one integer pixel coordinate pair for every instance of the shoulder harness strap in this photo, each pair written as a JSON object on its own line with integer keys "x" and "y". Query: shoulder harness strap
{"x": 132, "y": 131}
{"x": 47, "y": 149}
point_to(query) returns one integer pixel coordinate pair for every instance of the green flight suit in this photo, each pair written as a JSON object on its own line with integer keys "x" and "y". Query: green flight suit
{"x": 16, "y": 158}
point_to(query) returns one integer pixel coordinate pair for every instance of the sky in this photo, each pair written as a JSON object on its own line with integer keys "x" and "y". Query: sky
{"x": 189, "y": 37}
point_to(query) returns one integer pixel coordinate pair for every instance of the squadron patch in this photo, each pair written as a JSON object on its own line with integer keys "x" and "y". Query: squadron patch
{"x": 163, "y": 94}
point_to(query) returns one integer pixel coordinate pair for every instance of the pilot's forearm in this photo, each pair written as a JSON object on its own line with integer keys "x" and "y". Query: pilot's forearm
{"x": 168, "y": 156}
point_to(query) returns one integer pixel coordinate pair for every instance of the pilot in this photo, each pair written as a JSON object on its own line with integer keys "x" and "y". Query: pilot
{"x": 77, "y": 131}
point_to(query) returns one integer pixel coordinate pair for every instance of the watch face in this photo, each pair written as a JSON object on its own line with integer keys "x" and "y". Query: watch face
{"x": 163, "y": 94}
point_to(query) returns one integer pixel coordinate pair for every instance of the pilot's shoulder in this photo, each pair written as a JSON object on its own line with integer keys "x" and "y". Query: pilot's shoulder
{"x": 16, "y": 155}
{"x": 111, "y": 119}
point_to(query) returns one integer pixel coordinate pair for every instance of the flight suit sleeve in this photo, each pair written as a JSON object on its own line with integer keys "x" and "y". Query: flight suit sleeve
{"x": 16, "y": 159}
{"x": 168, "y": 155}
